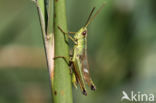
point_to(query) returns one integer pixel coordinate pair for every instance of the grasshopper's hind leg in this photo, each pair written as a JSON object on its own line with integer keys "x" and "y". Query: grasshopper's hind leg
{"x": 90, "y": 83}
{"x": 88, "y": 79}
{"x": 92, "y": 86}
{"x": 70, "y": 63}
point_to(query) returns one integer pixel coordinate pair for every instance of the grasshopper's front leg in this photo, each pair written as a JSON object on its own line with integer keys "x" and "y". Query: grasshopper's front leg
{"x": 65, "y": 32}
{"x": 71, "y": 38}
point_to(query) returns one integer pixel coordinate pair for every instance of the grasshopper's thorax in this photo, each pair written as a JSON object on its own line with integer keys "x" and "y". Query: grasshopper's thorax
{"x": 81, "y": 38}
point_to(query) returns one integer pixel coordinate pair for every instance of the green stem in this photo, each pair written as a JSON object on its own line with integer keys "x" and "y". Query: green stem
{"x": 62, "y": 90}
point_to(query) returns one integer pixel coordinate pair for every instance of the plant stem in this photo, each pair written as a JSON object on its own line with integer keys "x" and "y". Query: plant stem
{"x": 47, "y": 35}
{"x": 62, "y": 91}
{"x": 60, "y": 76}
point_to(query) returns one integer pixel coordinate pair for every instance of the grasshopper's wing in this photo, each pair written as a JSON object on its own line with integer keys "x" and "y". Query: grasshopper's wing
{"x": 79, "y": 74}
{"x": 85, "y": 69}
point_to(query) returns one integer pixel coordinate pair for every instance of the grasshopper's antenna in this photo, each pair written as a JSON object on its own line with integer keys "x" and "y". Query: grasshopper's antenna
{"x": 90, "y": 19}
{"x": 90, "y": 16}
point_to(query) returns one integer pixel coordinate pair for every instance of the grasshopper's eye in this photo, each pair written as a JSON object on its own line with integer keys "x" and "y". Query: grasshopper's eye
{"x": 84, "y": 32}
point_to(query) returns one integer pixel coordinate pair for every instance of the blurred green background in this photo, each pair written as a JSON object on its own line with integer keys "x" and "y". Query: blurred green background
{"x": 121, "y": 50}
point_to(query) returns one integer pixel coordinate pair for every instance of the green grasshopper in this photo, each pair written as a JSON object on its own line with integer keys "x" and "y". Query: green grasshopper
{"x": 79, "y": 61}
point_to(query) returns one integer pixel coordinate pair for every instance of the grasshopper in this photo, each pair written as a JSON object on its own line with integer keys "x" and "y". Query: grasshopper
{"x": 78, "y": 61}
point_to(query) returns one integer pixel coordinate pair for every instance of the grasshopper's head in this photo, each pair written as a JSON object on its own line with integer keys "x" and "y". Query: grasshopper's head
{"x": 82, "y": 33}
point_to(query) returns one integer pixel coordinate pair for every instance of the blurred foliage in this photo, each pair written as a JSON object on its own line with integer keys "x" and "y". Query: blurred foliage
{"x": 121, "y": 49}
